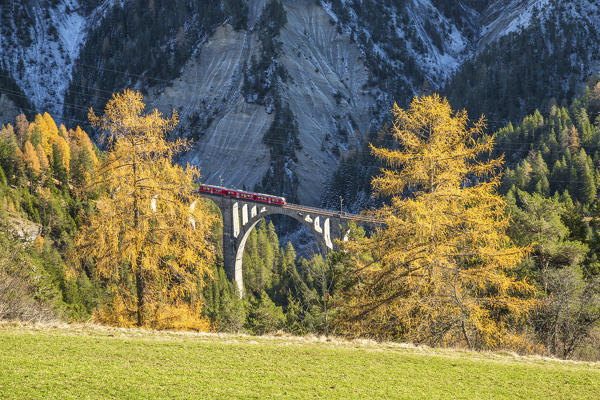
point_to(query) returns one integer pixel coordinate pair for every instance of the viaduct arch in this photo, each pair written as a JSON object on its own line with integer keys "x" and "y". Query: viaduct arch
{"x": 241, "y": 216}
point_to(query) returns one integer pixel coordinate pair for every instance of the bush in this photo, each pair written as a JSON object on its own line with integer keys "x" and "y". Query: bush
{"x": 26, "y": 290}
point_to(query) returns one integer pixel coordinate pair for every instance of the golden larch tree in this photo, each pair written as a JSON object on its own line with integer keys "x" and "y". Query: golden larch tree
{"x": 83, "y": 161}
{"x": 149, "y": 239}
{"x": 50, "y": 137}
{"x": 44, "y": 165}
{"x": 439, "y": 270}
{"x": 80, "y": 141}
{"x": 31, "y": 158}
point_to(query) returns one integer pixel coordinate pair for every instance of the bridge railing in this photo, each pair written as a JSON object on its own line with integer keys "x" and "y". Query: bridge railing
{"x": 343, "y": 215}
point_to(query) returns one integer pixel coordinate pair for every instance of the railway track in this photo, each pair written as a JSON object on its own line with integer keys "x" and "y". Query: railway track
{"x": 343, "y": 215}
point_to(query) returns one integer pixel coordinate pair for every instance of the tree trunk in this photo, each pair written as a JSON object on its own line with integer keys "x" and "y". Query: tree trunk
{"x": 139, "y": 286}
{"x": 139, "y": 276}
{"x": 464, "y": 330}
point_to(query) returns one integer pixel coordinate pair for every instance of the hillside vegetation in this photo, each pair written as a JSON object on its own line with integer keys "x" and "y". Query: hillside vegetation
{"x": 119, "y": 237}
{"x": 128, "y": 364}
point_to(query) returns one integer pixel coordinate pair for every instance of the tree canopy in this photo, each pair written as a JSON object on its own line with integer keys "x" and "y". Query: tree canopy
{"x": 149, "y": 237}
{"x": 439, "y": 272}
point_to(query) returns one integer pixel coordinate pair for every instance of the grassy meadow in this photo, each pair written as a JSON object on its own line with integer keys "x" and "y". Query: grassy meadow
{"x": 73, "y": 362}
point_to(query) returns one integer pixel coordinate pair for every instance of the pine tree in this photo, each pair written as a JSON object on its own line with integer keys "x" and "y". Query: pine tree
{"x": 3, "y": 181}
{"x": 539, "y": 169}
{"x": 223, "y": 305}
{"x": 263, "y": 315}
{"x": 586, "y": 184}
{"x": 84, "y": 160}
{"x": 571, "y": 305}
{"x": 11, "y": 157}
{"x": 58, "y": 166}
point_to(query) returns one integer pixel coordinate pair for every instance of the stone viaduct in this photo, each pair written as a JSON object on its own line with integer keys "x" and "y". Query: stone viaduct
{"x": 241, "y": 216}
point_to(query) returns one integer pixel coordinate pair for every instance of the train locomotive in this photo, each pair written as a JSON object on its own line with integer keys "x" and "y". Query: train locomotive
{"x": 242, "y": 195}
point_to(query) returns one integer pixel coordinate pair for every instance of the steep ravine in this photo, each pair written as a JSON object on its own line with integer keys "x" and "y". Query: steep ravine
{"x": 324, "y": 90}
{"x": 327, "y": 93}
{"x": 40, "y": 42}
{"x": 226, "y": 131}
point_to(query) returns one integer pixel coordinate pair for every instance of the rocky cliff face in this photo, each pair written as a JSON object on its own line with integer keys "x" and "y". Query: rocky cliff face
{"x": 226, "y": 131}
{"x": 326, "y": 91}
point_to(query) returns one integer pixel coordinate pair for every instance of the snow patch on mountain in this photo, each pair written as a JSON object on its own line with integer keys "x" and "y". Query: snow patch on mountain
{"x": 502, "y": 18}
{"x": 42, "y": 62}
{"x": 413, "y": 32}
{"x": 439, "y": 62}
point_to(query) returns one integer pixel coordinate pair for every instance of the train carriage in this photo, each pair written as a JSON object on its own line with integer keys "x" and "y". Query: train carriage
{"x": 261, "y": 197}
{"x": 239, "y": 194}
{"x": 246, "y": 196}
{"x": 277, "y": 200}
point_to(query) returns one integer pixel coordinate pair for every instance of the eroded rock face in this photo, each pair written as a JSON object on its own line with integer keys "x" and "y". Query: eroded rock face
{"x": 325, "y": 93}
{"x": 24, "y": 229}
{"x": 227, "y": 132}
{"x": 324, "y": 90}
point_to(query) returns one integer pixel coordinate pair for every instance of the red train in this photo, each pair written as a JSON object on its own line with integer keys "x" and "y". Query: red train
{"x": 239, "y": 194}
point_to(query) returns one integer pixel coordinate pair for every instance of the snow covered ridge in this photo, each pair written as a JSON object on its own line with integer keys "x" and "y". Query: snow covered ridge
{"x": 445, "y": 51}
{"x": 40, "y": 44}
{"x": 411, "y": 40}
{"x": 417, "y": 41}
{"x": 503, "y": 18}
{"x": 509, "y": 16}
{"x": 412, "y": 37}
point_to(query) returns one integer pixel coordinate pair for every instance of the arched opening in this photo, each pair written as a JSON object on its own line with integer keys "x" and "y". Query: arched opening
{"x": 241, "y": 217}
{"x": 254, "y": 265}
{"x": 239, "y": 258}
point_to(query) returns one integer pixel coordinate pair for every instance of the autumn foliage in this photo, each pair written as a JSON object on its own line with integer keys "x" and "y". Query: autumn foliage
{"x": 440, "y": 271}
{"x": 148, "y": 239}
{"x": 47, "y": 152}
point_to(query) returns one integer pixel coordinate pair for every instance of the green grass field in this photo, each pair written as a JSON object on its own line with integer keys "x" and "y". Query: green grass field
{"x": 94, "y": 362}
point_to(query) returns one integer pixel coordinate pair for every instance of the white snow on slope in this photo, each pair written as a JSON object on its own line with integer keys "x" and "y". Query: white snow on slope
{"x": 48, "y": 61}
{"x": 438, "y": 64}
{"x": 502, "y": 18}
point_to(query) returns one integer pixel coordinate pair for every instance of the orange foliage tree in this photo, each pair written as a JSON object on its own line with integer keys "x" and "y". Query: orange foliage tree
{"x": 51, "y": 137}
{"x": 149, "y": 239}
{"x": 31, "y": 158}
{"x": 439, "y": 272}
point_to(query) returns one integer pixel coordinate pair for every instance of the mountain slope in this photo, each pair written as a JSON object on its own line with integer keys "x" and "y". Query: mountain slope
{"x": 274, "y": 93}
{"x": 545, "y": 63}
{"x": 324, "y": 91}
{"x": 41, "y": 41}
